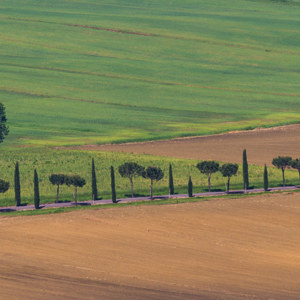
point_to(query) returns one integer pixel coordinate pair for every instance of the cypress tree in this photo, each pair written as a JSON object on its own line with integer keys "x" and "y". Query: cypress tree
{"x": 94, "y": 182}
{"x": 245, "y": 170}
{"x": 190, "y": 187}
{"x": 36, "y": 191}
{"x": 17, "y": 185}
{"x": 113, "y": 185}
{"x": 171, "y": 184}
{"x": 266, "y": 180}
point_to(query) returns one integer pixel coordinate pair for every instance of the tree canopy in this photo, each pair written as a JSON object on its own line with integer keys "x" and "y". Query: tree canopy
{"x": 154, "y": 173}
{"x": 229, "y": 170}
{"x": 282, "y": 162}
{"x": 4, "y": 186}
{"x": 57, "y": 179}
{"x": 131, "y": 170}
{"x": 75, "y": 180}
{"x": 208, "y": 167}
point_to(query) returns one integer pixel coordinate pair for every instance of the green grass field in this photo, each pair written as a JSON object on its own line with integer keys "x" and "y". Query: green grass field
{"x": 48, "y": 161}
{"x": 169, "y": 68}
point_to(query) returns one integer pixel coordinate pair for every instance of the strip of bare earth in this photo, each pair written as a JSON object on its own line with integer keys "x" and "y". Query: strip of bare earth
{"x": 262, "y": 144}
{"x": 246, "y": 248}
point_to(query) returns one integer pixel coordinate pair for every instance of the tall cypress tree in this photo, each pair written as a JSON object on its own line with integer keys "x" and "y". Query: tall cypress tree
{"x": 171, "y": 184}
{"x": 94, "y": 182}
{"x": 190, "y": 187}
{"x": 113, "y": 185}
{"x": 245, "y": 170}
{"x": 36, "y": 191}
{"x": 266, "y": 179}
{"x": 17, "y": 185}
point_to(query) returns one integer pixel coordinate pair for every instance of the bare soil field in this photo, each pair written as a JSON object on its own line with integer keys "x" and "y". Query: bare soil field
{"x": 245, "y": 248}
{"x": 262, "y": 145}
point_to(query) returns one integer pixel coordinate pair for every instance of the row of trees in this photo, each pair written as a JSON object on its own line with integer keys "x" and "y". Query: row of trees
{"x": 131, "y": 170}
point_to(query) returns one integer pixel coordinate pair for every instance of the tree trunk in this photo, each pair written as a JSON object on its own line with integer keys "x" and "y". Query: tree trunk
{"x": 228, "y": 183}
{"x": 57, "y": 193}
{"x": 131, "y": 182}
{"x": 151, "y": 189}
{"x": 283, "y": 179}
{"x": 75, "y": 195}
{"x": 209, "y": 183}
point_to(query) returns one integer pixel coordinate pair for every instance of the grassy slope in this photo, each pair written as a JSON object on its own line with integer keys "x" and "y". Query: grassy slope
{"x": 48, "y": 161}
{"x": 203, "y": 67}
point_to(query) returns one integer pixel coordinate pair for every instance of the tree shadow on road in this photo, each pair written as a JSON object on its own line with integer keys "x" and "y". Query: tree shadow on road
{"x": 7, "y": 210}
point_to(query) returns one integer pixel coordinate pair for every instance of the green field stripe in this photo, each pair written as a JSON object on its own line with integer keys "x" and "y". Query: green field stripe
{"x": 141, "y": 108}
{"x": 146, "y": 80}
{"x": 164, "y": 36}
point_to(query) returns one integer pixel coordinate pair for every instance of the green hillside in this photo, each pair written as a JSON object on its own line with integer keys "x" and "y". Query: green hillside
{"x": 90, "y": 71}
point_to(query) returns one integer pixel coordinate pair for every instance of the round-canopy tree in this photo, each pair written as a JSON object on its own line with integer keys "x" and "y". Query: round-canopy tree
{"x": 4, "y": 186}
{"x": 228, "y": 170}
{"x": 3, "y": 126}
{"x": 208, "y": 167}
{"x": 282, "y": 162}
{"x": 131, "y": 170}
{"x": 154, "y": 174}
{"x": 57, "y": 179}
{"x": 76, "y": 181}
{"x": 295, "y": 164}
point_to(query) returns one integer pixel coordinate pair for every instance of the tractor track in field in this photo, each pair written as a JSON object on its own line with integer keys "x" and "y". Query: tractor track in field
{"x": 157, "y": 35}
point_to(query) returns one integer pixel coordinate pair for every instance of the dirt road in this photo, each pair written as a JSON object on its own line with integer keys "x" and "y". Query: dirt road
{"x": 262, "y": 146}
{"x": 245, "y": 248}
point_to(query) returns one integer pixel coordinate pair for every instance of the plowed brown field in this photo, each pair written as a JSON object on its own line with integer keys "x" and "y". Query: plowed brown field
{"x": 262, "y": 145}
{"x": 245, "y": 248}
